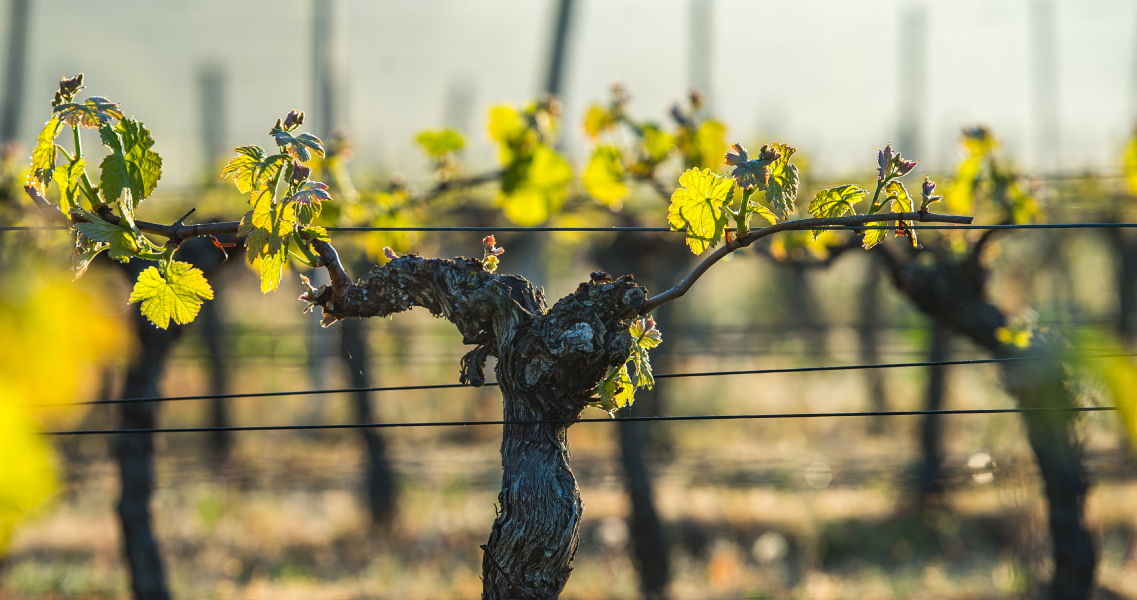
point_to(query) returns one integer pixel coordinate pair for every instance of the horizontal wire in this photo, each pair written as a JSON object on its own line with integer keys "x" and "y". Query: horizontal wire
{"x": 878, "y": 413}
{"x": 665, "y": 229}
{"x": 438, "y": 386}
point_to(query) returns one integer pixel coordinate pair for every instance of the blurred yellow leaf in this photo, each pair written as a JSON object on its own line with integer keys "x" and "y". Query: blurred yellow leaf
{"x": 604, "y": 175}
{"x": 27, "y": 471}
{"x": 597, "y": 121}
{"x": 539, "y": 190}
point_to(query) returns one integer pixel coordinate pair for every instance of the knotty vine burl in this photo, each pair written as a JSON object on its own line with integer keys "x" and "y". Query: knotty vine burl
{"x": 588, "y": 349}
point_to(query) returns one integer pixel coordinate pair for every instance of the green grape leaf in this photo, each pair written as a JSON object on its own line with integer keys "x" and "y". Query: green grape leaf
{"x": 698, "y": 205}
{"x": 874, "y": 236}
{"x": 657, "y": 144}
{"x": 616, "y": 390}
{"x": 43, "y": 155}
{"x": 131, "y": 163}
{"x": 645, "y": 336}
{"x": 300, "y": 146}
{"x": 93, "y": 113}
{"x": 505, "y": 124}
{"x": 597, "y": 121}
{"x": 252, "y": 168}
{"x": 898, "y": 194}
{"x": 86, "y": 250}
{"x": 754, "y": 208}
{"x": 781, "y": 190}
{"x": 439, "y": 143}
{"x": 835, "y": 202}
{"x": 310, "y": 192}
{"x": 706, "y": 147}
{"x": 315, "y": 232}
{"x": 604, "y": 175}
{"x": 269, "y": 229}
{"x": 67, "y": 178}
{"x": 177, "y": 293}
{"x": 122, "y": 243}
{"x": 536, "y": 188}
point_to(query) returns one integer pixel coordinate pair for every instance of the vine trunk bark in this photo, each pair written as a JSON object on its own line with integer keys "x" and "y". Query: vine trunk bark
{"x": 135, "y": 455}
{"x": 549, "y": 363}
{"x": 952, "y": 291}
{"x": 380, "y": 479}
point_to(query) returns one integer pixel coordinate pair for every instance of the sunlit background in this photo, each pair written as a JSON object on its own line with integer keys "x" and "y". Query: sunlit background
{"x": 807, "y": 508}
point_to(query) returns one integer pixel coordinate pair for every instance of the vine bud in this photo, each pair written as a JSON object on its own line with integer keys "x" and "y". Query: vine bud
{"x": 884, "y": 161}
{"x": 768, "y": 154}
{"x": 929, "y": 187}
{"x": 904, "y": 167}
{"x": 293, "y": 119}
{"x": 300, "y": 172}
{"x": 69, "y": 87}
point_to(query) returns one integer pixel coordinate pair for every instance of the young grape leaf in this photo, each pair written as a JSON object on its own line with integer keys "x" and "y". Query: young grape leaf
{"x": 122, "y": 243}
{"x": 94, "y": 113}
{"x": 537, "y": 189}
{"x": 67, "y": 178}
{"x": 177, "y": 293}
{"x": 505, "y": 124}
{"x": 645, "y": 336}
{"x": 310, "y": 192}
{"x": 251, "y": 168}
{"x": 698, "y": 205}
{"x": 315, "y": 232}
{"x": 754, "y": 208}
{"x": 707, "y": 148}
{"x": 86, "y": 250}
{"x": 902, "y": 202}
{"x": 604, "y": 176}
{"x": 616, "y": 390}
{"x": 835, "y": 202}
{"x": 781, "y": 191}
{"x": 439, "y": 143}
{"x": 131, "y": 163}
{"x": 874, "y": 236}
{"x": 43, "y": 155}
{"x": 269, "y": 229}
{"x": 1130, "y": 164}
{"x": 657, "y": 144}
{"x": 299, "y": 146}
{"x": 597, "y": 121}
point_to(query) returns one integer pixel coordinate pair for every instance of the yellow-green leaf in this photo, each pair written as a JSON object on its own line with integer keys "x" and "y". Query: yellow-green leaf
{"x": 835, "y": 202}
{"x": 898, "y": 194}
{"x": 176, "y": 294}
{"x": 1131, "y": 164}
{"x": 874, "y": 236}
{"x": 43, "y": 155}
{"x": 505, "y": 124}
{"x": 604, "y": 176}
{"x": 67, "y": 178}
{"x": 440, "y": 142}
{"x": 698, "y": 206}
{"x": 93, "y": 113}
{"x": 597, "y": 120}
{"x": 781, "y": 191}
{"x": 252, "y": 169}
{"x": 537, "y": 189}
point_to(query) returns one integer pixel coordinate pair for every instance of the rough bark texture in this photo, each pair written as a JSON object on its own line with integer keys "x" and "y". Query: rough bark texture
{"x": 548, "y": 363}
{"x": 929, "y": 478}
{"x": 953, "y": 293}
{"x": 380, "y": 480}
{"x": 135, "y": 455}
{"x": 661, "y": 259}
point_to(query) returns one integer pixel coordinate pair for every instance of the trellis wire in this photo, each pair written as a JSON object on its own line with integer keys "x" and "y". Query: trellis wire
{"x": 438, "y": 386}
{"x": 879, "y": 413}
{"x": 511, "y": 229}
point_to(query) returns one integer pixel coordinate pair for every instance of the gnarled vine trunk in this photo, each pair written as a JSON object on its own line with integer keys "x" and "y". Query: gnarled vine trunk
{"x": 954, "y": 294}
{"x": 549, "y": 362}
{"x": 135, "y": 455}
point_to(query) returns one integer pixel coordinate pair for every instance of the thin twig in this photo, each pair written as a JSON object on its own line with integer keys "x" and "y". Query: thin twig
{"x": 796, "y": 225}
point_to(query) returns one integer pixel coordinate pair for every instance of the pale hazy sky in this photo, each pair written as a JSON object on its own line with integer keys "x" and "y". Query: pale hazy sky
{"x": 813, "y": 73}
